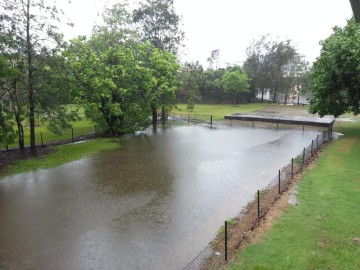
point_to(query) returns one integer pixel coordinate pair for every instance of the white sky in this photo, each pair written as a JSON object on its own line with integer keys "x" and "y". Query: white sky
{"x": 231, "y": 25}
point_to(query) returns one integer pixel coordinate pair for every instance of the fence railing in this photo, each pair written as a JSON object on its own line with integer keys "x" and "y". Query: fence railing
{"x": 236, "y": 231}
{"x": 194, "y": 118}
{"x": 69, "y": 135}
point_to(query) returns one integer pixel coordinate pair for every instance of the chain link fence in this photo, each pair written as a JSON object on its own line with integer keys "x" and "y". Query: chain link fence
{"x": 236, "y": 231}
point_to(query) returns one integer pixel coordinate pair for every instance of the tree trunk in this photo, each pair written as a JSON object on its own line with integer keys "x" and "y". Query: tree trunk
{"x": 163, "y": 114}
{"x": 298, "y": 97}
{"x": 275, "y": 90}
{"x": 154, "y": 115}
{"x": 285, "y": 99}
{"x": 20, "y": 133}
{"x": 262, "y": 94}
{"x": 30, "y": 83}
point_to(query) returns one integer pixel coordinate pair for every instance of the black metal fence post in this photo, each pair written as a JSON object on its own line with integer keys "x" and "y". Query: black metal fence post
{"x": 41, "y": 137}
{"x": 258, "y": 197}
{"x": 279, "y": 183}
{"x": 292, "y": 168}
{"x": 72, "y": 134}
{"x": 312, "y": 145}
{"x": 304, "y": 156}
{"x": 226, "y": 242}
{"x": 317, "y": 141}
{"x": 188, "y": 118}
{"x": 211, "y": 120}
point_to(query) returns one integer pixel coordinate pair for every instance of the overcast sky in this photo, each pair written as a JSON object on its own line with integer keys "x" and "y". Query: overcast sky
{"x": 231, "y": 25}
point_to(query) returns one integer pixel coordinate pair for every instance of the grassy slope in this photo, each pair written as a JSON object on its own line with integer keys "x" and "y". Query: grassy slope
{"x": 318, "y": 233}
{"x": 219, "y": 111}
{"x": 64, "y": 154}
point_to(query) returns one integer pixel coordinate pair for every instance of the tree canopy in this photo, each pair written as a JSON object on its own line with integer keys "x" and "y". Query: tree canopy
{"x": 235, "y": 82}
{"x": 28, "y": 27}
{"x": 336, "y": 73}
{"x": 273, "y": 65}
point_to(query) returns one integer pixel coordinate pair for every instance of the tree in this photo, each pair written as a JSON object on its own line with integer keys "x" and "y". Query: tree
{"x": 235, "y": 82}
{"x": 212, "y": 91}
{"x": 336, "y": 73}
{"x": 159, "y": 24}
{"x": 7, "y": 134}
{"x": 271, "y": 65}
{"x": 192, "y": 79}
{"x": 116, "y": 83}
{"x": 31, "y": 26}
{"x": 13, "y": 93}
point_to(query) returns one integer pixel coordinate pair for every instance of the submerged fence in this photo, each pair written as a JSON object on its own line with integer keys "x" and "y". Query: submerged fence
{"x": 236, "y": 231}
{"x": 194, "y": 118}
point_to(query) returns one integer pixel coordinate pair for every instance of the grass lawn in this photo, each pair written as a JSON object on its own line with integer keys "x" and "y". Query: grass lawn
{"x": 64, "y": 154}
{"x": 81, "y": 127}
{"x": 219, "y": 111}
{"x": 319, "y": 232}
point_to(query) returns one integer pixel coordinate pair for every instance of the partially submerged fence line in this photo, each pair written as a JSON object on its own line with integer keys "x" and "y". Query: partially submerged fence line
{"x": 194, "y": 118}
{"x": 235, "y": 234}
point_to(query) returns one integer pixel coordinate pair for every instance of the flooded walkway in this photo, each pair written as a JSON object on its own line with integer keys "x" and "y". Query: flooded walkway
{"x": 154, "y": 204}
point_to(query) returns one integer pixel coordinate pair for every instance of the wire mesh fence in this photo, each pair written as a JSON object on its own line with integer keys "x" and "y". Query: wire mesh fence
{"x": 193, "y": 118}
{"x": 236, "y": 231}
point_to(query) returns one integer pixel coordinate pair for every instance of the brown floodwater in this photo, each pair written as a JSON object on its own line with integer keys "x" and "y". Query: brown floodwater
{"x": 154, "y": 204}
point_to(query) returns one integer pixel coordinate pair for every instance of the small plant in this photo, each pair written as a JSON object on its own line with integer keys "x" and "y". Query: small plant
{"x": 298, "y": 160}
{"x": 190, "y": 105}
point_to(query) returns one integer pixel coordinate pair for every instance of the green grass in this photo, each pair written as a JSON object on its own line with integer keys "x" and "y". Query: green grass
{"x": 64, "y": 154}
{"x": 219, "y": 111}
{"x": 318, "y": 233}
{"x": 81, "y": 127}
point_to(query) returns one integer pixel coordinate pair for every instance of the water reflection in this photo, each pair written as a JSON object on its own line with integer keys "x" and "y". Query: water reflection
{"x": 154, "y": 204}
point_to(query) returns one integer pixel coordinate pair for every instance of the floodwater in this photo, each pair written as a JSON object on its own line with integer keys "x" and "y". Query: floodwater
{"x": 154, "y": 204}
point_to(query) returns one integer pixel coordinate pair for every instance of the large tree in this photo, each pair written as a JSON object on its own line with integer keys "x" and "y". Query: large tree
{"x": 7, "y": 134}
{"x": 29, "y": 28}
{"x": 192, "y": 79}
{"x": 234, "y": 83}
{"x": 116, "y": 82}
{"x": 158, "y": 23}
{"x": 273, "y": 65}
{"x": 336, "y": 73}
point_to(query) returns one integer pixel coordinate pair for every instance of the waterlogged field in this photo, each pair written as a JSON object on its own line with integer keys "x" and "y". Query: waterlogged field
{"x": 152, "y": 204}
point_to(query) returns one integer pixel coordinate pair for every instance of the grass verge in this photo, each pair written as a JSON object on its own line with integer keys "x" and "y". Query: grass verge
{"x": 320, "y": 232}
{"x": 64, "y": 154}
